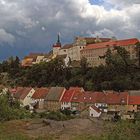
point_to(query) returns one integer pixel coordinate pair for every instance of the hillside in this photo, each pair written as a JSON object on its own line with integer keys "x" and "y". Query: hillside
{"x": 75, "y": 129}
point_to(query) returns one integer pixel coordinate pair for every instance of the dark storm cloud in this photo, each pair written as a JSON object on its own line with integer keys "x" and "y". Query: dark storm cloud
{"x": 32, "y": 25}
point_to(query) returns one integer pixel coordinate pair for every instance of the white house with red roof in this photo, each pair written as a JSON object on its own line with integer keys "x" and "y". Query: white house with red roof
{"x": 66, "y": 99}
{"x": 39, "y": 97}
{"x": 23, "y": 94}
{"x": 94, "y": 111}
{"x": 134, "y": 101}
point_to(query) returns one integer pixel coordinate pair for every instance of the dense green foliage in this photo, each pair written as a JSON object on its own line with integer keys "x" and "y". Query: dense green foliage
{"x": 58, "y": 116}
{"x": 119, "y": 73}
{"x": 10, "y": 109}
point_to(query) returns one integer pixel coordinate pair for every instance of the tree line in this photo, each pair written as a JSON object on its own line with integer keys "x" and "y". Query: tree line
{"x": 119, "y": 73}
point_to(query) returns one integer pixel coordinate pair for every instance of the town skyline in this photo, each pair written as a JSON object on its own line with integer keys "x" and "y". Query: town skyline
{"x": 33, "y": 26}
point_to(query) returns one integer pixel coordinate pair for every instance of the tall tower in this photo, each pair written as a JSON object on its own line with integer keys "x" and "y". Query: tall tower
{"x": 57, "y": 46}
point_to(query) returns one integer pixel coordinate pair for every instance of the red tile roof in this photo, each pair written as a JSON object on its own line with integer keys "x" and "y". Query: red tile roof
{"x": 125, "y": 42}
{"x": 134, "y": 100}
{"x": 76, "y": 88}
{"x": 57, "y": 45}
{"x": 67, "y": 97}
{"x": 89, "y": 97}
{"x": 96, "y": 109}
{"x": 100, "y": 97}
{"x": 77, "y": 96}
{"x": 21, "y": 92}
{"x": 117, "y": 98}
{"x": 40, "y": 93}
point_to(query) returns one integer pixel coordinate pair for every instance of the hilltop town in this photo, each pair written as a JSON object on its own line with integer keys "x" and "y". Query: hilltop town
{"x": 91, "y": 79}
{"x": 88, "y": 47}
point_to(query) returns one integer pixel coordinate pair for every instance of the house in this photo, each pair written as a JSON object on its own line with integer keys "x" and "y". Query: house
{"x": 93, "y": 52}
{"x": 34, "y": 58}
{"x": 68, "y": 95}
{"x": 116, "y": 101}
{"x": 94, "y": 111}
{"x": 53, "y": 98}
{"x": 134, "y": 101}
{"x": 76, "y": 102}
{"x": 28, "y": 61}
{"x": 39, "y": 97}
{"x": 23, "y": 95}
{"x": 66, "y": 99}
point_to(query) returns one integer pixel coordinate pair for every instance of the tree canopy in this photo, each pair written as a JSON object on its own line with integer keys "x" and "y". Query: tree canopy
{"x": 119, "y": 73}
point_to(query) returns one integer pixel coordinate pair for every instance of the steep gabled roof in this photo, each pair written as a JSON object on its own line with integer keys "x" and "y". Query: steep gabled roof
{"x": 134, "y": 100}
{"x": 100, "y": 97}
{"x": 40, "y": 93}
{"x": 21, "y": 92}
{"x": 67, "y": 97}
{"x": 55, "y": 94}
{"x": 117, "y": 98}
{"x": 77, "y": 96}
{"x": 96, "y": 109}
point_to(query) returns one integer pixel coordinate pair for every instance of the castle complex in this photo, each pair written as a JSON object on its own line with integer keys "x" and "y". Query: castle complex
{"x": 90, "y": 48}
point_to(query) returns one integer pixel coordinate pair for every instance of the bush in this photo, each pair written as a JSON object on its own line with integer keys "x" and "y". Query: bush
{"x": 58, "y": 116}
{"x": 66, "y": 112}
{"x": 12, "y": 111}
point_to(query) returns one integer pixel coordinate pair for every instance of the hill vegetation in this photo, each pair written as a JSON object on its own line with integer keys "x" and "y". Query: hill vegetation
{"x": 119, "y": 73}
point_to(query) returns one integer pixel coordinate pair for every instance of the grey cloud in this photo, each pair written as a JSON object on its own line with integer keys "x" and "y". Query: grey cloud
{"x": 34, "y": 24}
{"x": 6, "y": 37}
{"x": 123, "y": 2}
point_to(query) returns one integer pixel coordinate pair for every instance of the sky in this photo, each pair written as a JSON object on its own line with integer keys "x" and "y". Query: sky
{"x": 32, "y": 25}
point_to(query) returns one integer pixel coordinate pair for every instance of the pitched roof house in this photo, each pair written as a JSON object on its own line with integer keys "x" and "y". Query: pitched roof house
{"x": 40, "y": 93}
{"x": 134, "y": 100}
{"x": 23, "y": 94}
{"x": 94, "y": 111}
{"x": 39, "y": 97}
{"x": 53, "y": 98}
{"x": 67, "y": 98}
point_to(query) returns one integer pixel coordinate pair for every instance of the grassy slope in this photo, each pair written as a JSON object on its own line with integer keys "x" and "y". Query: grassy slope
{"x": 15, "y": 130}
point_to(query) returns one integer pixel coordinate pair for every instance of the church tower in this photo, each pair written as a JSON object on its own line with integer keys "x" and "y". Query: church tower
{"x": 57, "y": 46}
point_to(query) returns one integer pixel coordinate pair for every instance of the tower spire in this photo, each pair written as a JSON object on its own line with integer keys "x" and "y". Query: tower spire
{"x": 58, "y": 38}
